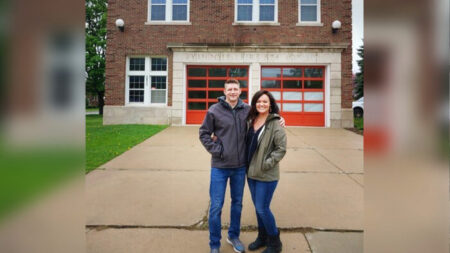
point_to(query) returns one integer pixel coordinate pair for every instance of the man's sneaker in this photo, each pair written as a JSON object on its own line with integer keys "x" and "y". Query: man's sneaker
{"x": 215, "y": 250}
{"x": 237, "y": 245}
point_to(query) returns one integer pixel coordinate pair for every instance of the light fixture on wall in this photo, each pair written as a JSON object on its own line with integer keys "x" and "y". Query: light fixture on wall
{"x": 335, "y": 26}
{"x": 120, "y": 24}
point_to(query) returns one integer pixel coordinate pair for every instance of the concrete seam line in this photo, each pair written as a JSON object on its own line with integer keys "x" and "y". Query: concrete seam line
{"x": 322, "y": 172}
{"x": 328, "y": 160}
{"x": 343, "y": 172}
{"x": 247, "y": 228}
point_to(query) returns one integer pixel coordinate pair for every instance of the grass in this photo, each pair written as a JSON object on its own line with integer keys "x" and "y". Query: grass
{"x": 91, "y": 109}
{"x": 28, "y": 173}
{"x": 359, "y": 123}
{"x": 103, "y": 143}
{"x": 358, "y": 126}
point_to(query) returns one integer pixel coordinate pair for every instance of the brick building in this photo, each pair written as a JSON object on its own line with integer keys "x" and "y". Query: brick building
{"x": 169, "y": 63}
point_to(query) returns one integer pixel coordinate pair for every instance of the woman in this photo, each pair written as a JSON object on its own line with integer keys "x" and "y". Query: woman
{"x": 266, "y": 146}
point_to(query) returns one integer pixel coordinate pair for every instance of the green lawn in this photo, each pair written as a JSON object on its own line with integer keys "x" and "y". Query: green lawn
{"x": 359, "y": 123}
{"x": 103, "y": 143}
{"x": 91, "y": 109}
{"x": 28, "y": 173}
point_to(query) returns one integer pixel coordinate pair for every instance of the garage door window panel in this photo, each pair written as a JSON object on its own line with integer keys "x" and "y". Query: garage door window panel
{"x": 197, "y": 83}
{"x": 313, "y": 84}
{"x": 292, "y": 84}
{"x": 309, "y": 107}
{"x": 298, "y": 91}
{"x": 313, "y": 96}
{"x": 292, "y": 107}
{"x": 206, "y": 83}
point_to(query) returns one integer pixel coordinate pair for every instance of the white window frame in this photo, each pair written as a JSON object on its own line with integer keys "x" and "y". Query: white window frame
{"x": 169, "y": 18}
{"x": 147, "y": 73}
{"x": 255, "y": 14}
{"x": 318, "y": 22}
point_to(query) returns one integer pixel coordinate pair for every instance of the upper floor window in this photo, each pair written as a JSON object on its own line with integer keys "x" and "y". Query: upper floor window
{"x": 309, "y": 11}
{"x": 256, "y": 10}
{"x": 168, "y": 10}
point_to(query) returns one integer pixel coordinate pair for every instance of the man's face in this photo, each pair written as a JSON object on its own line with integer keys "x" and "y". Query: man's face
{"x": 232, "y": 92}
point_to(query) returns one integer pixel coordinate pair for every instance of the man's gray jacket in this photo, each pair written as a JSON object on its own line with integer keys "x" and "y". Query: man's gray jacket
{"x": 229, "y": 125}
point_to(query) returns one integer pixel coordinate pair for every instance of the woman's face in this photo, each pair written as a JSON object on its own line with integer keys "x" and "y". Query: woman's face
{"x": 263, "y": 104}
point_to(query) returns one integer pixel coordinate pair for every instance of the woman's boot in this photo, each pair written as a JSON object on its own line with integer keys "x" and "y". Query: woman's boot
{"x": 260, "y": 241}
{"x": 274, "y": 244}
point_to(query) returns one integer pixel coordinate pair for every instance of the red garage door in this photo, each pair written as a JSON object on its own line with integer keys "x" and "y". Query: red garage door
{"x": 299, "y": 91}
{"x": 206, "y": 83}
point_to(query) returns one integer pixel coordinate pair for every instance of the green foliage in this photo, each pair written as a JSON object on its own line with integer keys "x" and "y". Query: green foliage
{"x": 103, "y": 143}
{"x": 359, "y": 79}
{"x": 95, "y": 48}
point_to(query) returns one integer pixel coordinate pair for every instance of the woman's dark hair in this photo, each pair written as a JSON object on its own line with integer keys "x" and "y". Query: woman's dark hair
{"x": 254, "y": 113}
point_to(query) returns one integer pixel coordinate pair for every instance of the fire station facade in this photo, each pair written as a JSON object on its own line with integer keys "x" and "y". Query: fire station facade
{"x": 169, "y": 63}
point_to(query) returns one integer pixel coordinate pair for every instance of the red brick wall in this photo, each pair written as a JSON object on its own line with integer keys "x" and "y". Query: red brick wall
{"x": 212, "y": 23}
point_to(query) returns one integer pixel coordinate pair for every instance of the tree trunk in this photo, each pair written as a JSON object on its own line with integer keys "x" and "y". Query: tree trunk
{"x": 101, "y": 102}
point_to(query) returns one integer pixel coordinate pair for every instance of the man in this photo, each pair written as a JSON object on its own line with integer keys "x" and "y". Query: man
{"x": 226, "y": 120}
{"x": 223, "y": 133}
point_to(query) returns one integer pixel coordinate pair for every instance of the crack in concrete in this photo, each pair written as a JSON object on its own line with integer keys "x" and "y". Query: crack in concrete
{"x": 246, "y": 228}
{"x": 203, "y": 222}
{"x": 307, "y": 242}
{"x": 356, "y": 181}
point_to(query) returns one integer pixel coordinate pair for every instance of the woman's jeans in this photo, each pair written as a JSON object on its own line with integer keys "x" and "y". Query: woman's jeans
{"x": 262, "y": 193}
{"x": 218, "y": 185}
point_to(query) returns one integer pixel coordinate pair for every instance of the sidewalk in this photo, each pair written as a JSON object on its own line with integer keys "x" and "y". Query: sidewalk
{"x": 154, "y": 197}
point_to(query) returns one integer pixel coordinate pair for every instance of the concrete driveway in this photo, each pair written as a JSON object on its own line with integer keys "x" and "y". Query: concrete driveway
{"x": 154, "y": 197}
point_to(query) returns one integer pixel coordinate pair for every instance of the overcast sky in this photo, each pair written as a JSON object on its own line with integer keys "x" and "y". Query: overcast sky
{"x": 358, "y": 29}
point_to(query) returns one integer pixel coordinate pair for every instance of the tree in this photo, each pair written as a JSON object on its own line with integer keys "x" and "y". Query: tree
{"x": 359, "y": 79}
{"x": 95, "y": 49}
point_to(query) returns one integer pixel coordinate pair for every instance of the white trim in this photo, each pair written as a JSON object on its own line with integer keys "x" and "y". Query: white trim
{"x": 147, "y": 73}
{"x": 257, "y": 23}
{"x": 148, "y": 67}
{"x": 183, "y": 115}
{"x": 327, "y": 95}
{"x": 127, "y": 61}
{"x": 134, "y": 73}
{"x": 309, "y": 23}
{"x": 258, "y": 60}
{"x": 168, "y": 15}
{"x": 255, "y": 14}
{"x": 250, "y": 82}
{"x": 167, "y": 23}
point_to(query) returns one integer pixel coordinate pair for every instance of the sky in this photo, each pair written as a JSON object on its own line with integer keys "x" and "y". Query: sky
{"x": 358, "y": 30}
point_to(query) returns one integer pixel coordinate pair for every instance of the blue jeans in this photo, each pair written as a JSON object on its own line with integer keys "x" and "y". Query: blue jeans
{"x": 218, "y": 185}
{"x": 262, "y": 193}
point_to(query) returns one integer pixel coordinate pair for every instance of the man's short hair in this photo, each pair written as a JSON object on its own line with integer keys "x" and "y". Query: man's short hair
{"x": 232, "y": 80}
